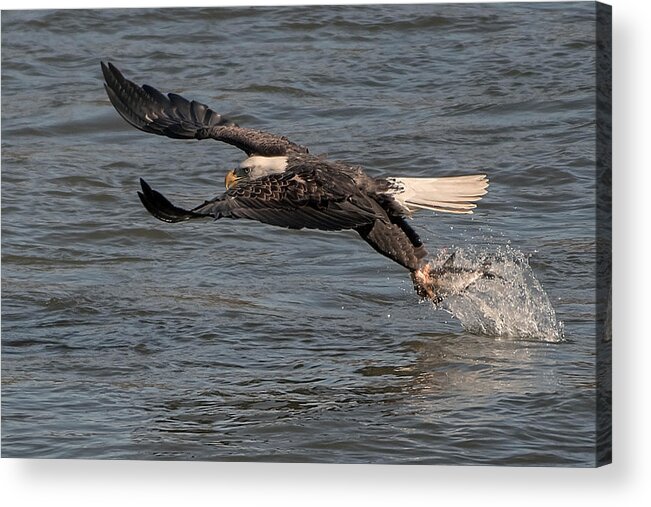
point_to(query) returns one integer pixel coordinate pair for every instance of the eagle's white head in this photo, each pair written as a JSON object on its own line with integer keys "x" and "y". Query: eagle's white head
{"x": 255, "y": 167}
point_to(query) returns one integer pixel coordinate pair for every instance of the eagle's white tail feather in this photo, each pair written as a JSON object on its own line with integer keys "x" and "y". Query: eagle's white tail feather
{"x": 451, "y": 194}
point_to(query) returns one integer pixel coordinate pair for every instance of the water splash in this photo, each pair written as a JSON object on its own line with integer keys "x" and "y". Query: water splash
{"x": 511, "y": 304}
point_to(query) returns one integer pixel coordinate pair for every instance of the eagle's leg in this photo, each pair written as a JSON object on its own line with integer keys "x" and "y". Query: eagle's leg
{"x": 424, "y": 284}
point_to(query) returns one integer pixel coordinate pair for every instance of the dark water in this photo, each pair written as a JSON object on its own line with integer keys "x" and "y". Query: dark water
{"x": 123, "y": 337}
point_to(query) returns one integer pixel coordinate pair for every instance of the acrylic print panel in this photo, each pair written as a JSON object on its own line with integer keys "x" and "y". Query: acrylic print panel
{"x": 127, "y": 337}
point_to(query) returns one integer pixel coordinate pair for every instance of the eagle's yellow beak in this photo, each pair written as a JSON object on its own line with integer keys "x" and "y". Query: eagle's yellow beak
{"x": 230, "y": 180}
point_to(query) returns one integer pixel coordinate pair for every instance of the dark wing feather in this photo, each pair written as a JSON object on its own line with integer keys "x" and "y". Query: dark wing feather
{"x": 395, "y": 240}
{"x": 291, "y": 200}
{"x": 158, "y": 205}
{"x": 150, "y": 111}
{"x": 307, "y": 199}
{"x": 278, "y": 203}
{"x": 173, "y": 116}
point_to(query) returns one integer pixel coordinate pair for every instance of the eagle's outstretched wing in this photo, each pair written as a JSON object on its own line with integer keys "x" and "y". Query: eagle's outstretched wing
{"x": 171, "y": 115}
{"x": 284, "y": 200}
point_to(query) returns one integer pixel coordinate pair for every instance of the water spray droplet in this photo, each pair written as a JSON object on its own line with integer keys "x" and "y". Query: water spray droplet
{"x": 512, "y": 303}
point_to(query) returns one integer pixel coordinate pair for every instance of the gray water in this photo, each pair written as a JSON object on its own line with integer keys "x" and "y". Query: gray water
{"x": 124, "y": 337}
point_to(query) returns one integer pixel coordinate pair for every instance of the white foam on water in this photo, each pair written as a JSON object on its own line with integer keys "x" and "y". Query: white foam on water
{"x": 512, "y": 304}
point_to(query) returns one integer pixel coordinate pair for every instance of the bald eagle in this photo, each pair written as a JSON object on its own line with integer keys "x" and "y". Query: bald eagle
{"x": 280, "y": 183}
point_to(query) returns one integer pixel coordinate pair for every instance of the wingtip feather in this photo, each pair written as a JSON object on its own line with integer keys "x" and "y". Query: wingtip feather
{"x": 161, "y": 208}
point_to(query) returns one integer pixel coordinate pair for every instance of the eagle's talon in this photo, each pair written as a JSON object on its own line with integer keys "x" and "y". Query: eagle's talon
{"x": 423, "y": 284}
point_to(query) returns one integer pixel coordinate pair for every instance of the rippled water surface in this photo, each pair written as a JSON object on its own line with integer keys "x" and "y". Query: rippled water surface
{"x": 124, "y": 337}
